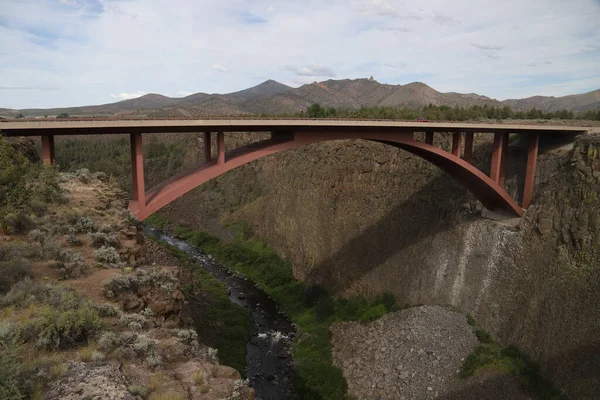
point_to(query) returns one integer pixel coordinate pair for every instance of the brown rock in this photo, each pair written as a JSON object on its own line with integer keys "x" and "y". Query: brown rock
{"x": 132, "y": 302}
{"x": 544, "y": 225}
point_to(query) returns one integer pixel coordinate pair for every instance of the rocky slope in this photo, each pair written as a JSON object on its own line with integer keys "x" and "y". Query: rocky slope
{"x": 109, "y": 304}
{"x": 364, "y": 218}
{"x": 414, "y": 354}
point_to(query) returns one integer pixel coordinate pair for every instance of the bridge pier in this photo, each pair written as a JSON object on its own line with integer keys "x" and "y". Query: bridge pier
{"x": 207, "y": 147}
{"x": 48, "y": 149}
{"x": 138, "y": 204}
{"x": 468, "y": 155}
{"x": 532, "y": 153}
{"x": 429, "y": 138}
{"x": 456, "y": 143}
{"x": 220, "y": 148}
{"x": 499, "y": 148}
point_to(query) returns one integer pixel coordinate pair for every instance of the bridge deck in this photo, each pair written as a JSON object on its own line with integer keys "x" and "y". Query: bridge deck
{"x": 90, "y": 127}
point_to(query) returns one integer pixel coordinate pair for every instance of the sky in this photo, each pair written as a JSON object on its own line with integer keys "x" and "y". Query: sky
{"x": 57, "y": 53}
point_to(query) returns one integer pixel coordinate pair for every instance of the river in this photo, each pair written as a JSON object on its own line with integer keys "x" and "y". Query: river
{"x": 268, "y": 356}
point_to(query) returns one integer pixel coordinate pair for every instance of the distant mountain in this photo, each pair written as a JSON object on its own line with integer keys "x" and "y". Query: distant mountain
{"x": 575, "y": 102}
{"x": 151, "y": 100}
{"x": 272, "y": 97}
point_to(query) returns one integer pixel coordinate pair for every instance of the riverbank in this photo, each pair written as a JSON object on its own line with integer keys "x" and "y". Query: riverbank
{"x": 246, "y": 326}
{"x": 311, "y": 309}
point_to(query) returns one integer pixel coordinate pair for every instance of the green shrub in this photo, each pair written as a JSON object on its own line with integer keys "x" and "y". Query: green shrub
{"x": 85, "y": 224}
{"x": 107, "y": 310}
{"x": 324, "y": 308}
{"x": 62, "y": 329}
{"x": 74, "y": 267}
{"x": 83, "y": 175}
{"x": 107, "y": 254}
{"x": 101, "y": 176}
{"x": 373, "y": 313}
{"x": 37, "y": 236}
{"x": 490, "y": 354}
{"x": 47, "y": 188}
{"x": 12, "y": 272}
{"x": 99, "y": 239}
{"x": 19, "y": 222}
{"x": 9, "y": 371}
{"x": 19, "y": 295}
{"x": 135, "y": 322}
{"x": 313, "y": 294}
{"x": 153, "y": 277}
{"x": 138, "y": 390}
{"x": 73, "y": 240}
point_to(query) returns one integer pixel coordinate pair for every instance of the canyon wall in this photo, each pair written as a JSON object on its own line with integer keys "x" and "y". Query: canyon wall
{"x": 365, "y": 218}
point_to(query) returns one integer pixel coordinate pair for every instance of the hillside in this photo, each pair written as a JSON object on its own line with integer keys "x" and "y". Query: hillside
{"x": 271, "y": 97}
{"x": 576, "y": 102}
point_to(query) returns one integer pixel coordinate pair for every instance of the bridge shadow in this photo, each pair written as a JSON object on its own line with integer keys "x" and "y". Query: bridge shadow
{"x": 429, "y": 210}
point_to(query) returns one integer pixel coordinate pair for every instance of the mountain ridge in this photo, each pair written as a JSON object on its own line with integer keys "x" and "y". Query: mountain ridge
{"x": 272, "y": 97}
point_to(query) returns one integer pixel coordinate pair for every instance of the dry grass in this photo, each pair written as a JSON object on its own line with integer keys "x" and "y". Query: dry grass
{"x": 169, "y": 394}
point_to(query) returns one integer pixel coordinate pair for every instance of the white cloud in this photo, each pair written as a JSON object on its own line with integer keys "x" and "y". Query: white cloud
{"x": 376, "y": 7}
{"x": 127, "y": 96}
{"x": 486, "y": 47}
{"x": 69, "y": 2}
{"x": 92, "y": 50}
{"x": 271, "y": 9}
{"x": 312, "y": 70}
{"x": 219, "y": 68}
{"x": 184, "y": 93}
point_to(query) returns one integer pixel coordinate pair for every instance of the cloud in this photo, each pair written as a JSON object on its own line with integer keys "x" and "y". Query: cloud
{"x": 486, "y": 47}
{"x": 394, "y": 29}
{"x": 396, "y": 66}
{"x": 219, "y": 68}
{"x": 270, "y": 9}
{"x": 128, "y": 96}
{"x": 88, "y": 50}
{"x": 312, "y": 70}
{"x": 43, "y": 88}
{"x": 376, "y": 7}
{"x": 444, "y": 19}
{"x": 248, "y": 17}
{"x": 184, "y": 93}
{"x": 69, "y": 2}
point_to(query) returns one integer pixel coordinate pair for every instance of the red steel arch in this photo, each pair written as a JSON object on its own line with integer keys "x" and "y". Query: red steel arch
{"x": 485, "y": 189}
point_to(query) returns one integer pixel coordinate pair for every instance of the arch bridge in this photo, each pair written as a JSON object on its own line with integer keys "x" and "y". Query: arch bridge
{"x": 288, "y": 134}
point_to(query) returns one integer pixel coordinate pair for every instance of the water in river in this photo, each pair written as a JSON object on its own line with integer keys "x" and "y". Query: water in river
{"x": 268, "y": 357}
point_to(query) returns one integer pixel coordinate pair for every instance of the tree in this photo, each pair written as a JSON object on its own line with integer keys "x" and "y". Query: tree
{"x": 62, "y": 115}
{"x": 20, "y": 116}
{"x": 316, "y": 111}
{"x": 14, "y": 191}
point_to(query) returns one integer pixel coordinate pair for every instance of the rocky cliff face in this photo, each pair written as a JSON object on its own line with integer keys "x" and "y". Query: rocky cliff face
{"x": 361, "y": 217}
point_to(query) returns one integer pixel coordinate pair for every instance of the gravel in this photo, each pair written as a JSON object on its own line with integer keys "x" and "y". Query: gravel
{"x": 410, "y": 354}
{"x": 86, "y": 381}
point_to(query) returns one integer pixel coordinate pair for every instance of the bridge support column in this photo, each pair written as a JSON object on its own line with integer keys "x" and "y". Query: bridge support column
{"x": 429, "y": 138}
{"x": 499, "y": 148}
{"x": 502, "y": 179}
{"x": 48, "y": 149}
{"x": 468, "y": 155}
{"x": 456, "y": 142}
{"x": 534, "y": 144}
{"x": 137, "y": 172}
{"x": 207, "y": 147}
{"x": 220, "y": 148}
